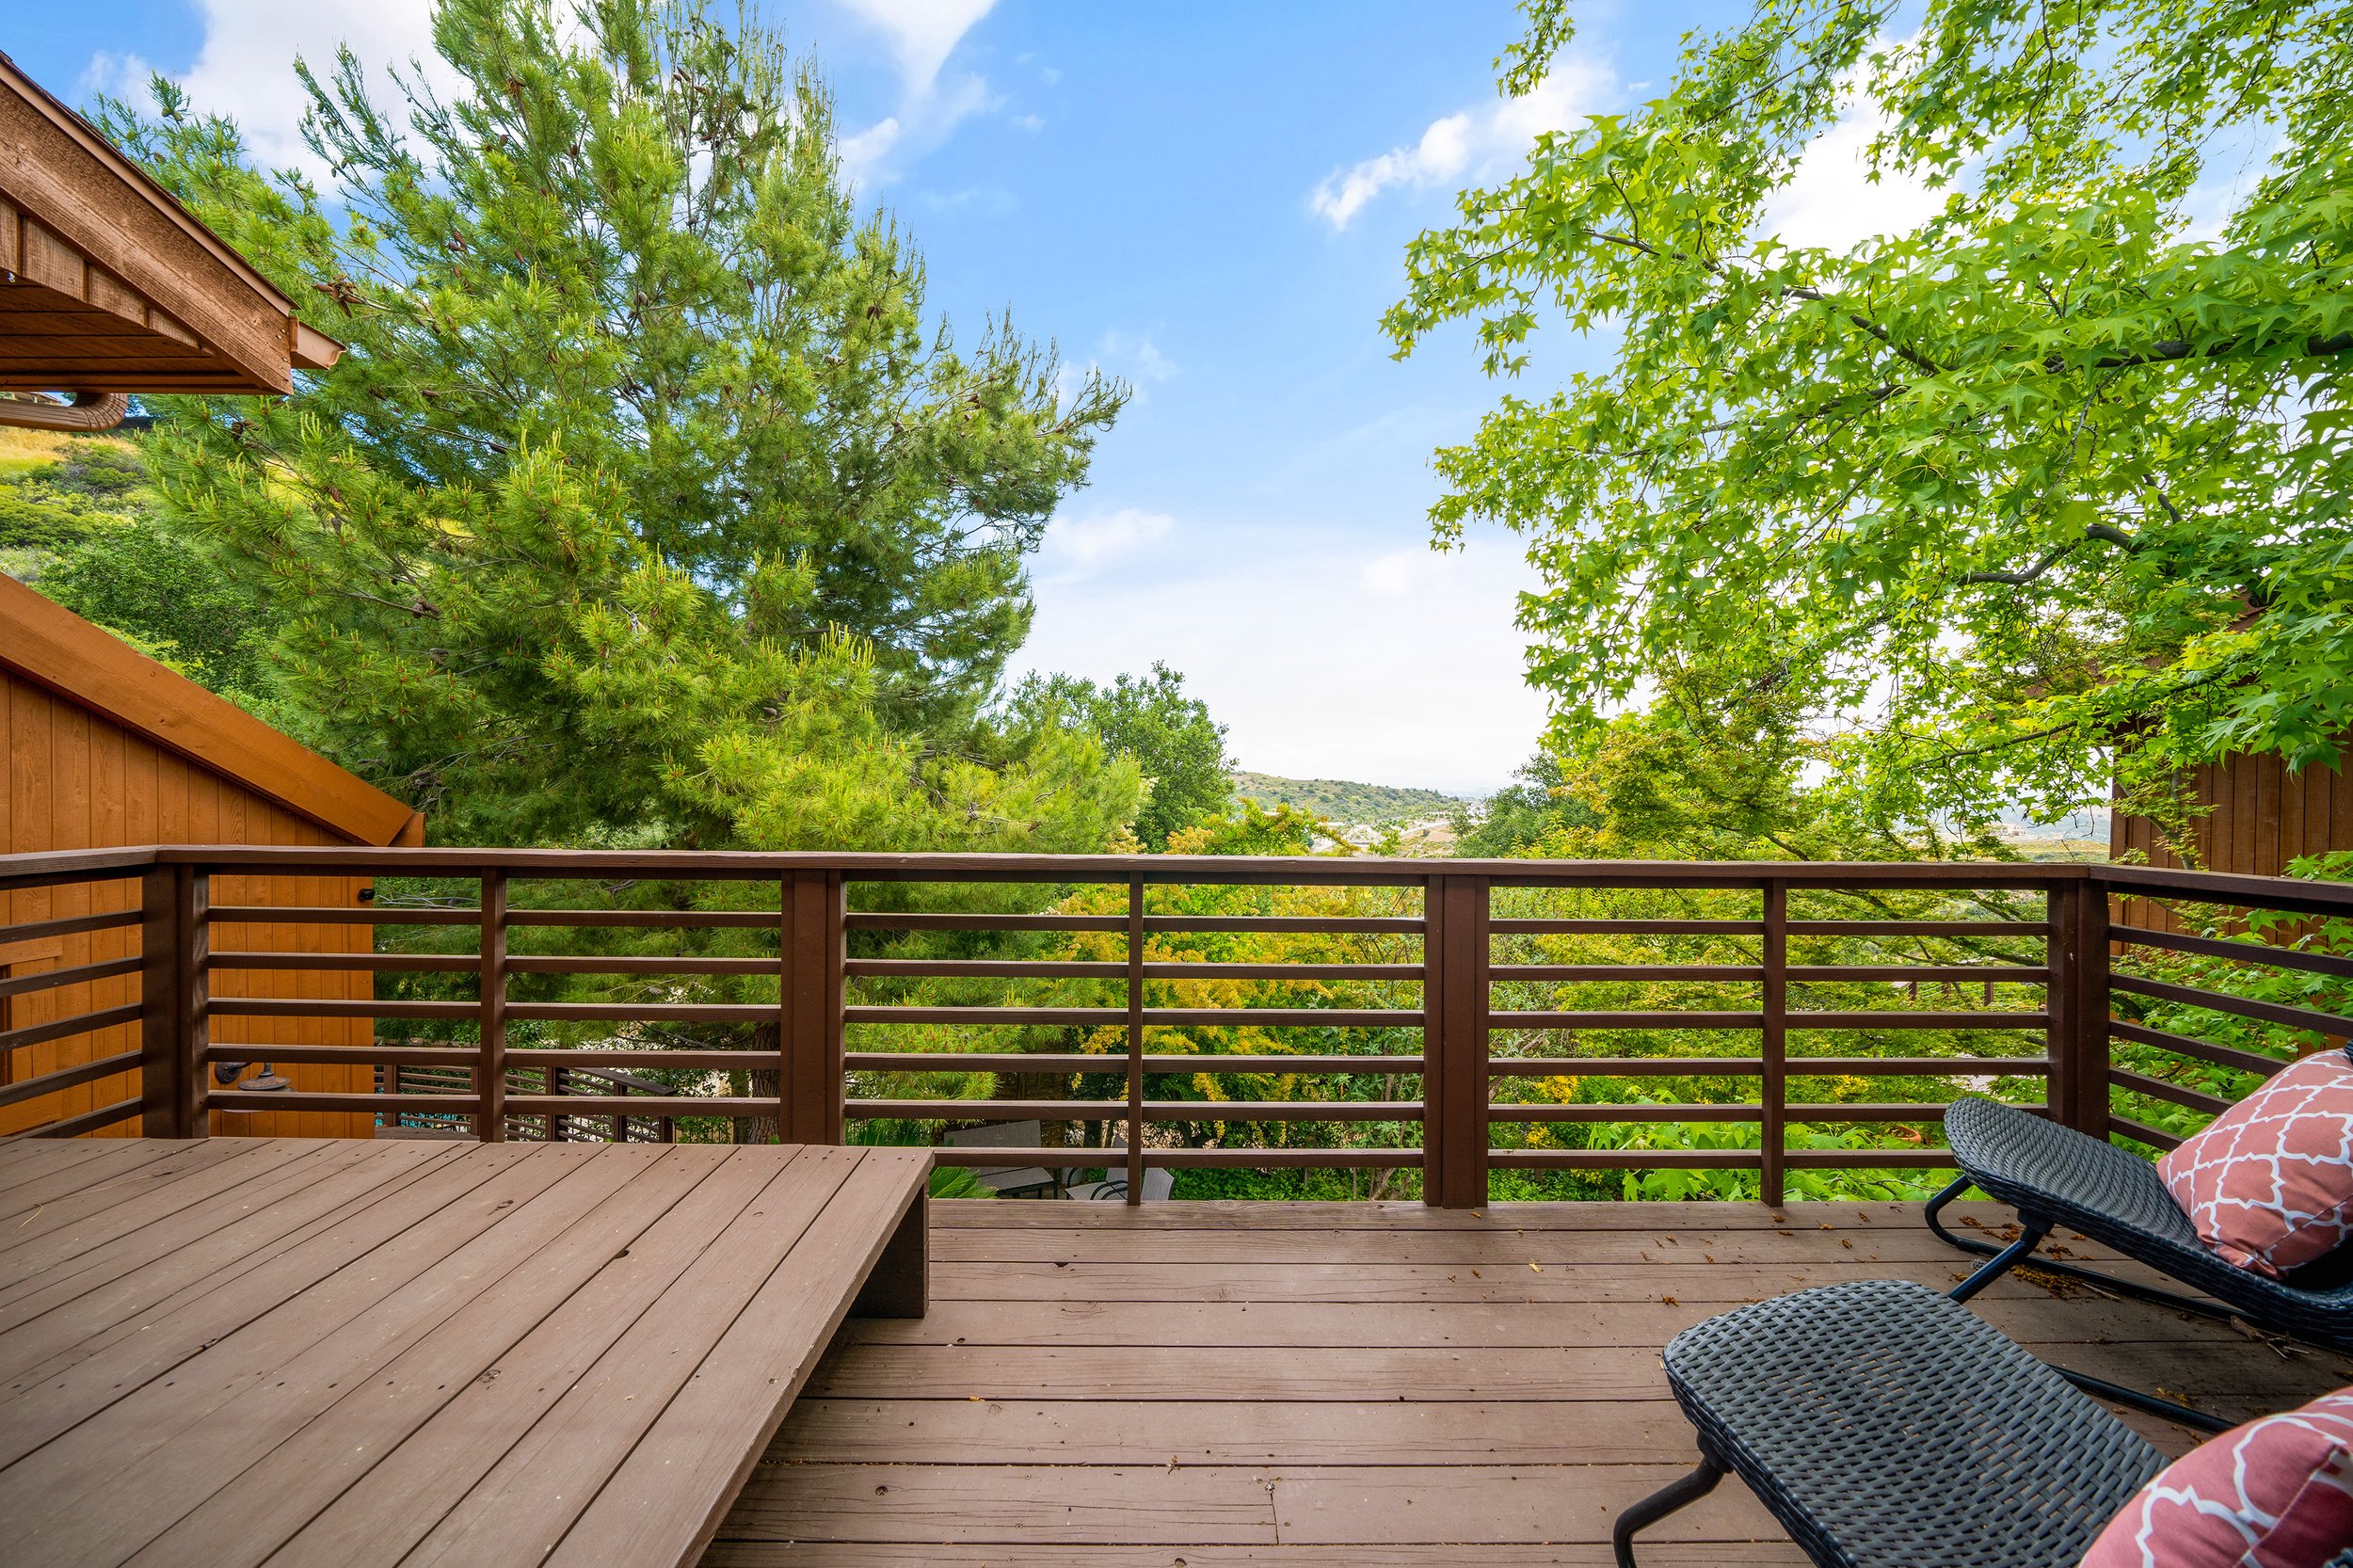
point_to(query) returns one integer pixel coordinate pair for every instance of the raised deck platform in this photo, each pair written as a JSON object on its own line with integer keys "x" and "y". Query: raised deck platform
{"x": 1355, "y": 1385}
{"x": 348, "y": 1353}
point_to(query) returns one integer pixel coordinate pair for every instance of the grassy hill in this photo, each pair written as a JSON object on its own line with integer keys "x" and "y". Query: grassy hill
{"x": 1343, "y": 801}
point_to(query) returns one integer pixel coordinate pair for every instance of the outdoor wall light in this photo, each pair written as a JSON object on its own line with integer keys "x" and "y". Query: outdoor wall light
{"x": 268, "y": 1080}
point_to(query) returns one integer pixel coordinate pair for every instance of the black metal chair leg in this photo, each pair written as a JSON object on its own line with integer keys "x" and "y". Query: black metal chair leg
{"x": 1936, "y": 1207}
{"x": 2116, "y": 1393}
{"x": 1667, "y": 1499}
{"x": 2030, "y": 1237}
{"x": 2006, "y": 1259}
{"x": 2152, "y": 1294}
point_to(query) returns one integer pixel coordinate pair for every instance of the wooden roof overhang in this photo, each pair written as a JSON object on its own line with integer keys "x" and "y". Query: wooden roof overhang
{"x": 54, "y": 649}
{"x": 108, "y": 285}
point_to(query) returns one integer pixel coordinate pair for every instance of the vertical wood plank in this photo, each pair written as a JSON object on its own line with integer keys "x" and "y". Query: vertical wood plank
{"x": 811, "y": 942}
{"x": 1135, "y": 1040}
{"x": 490, "y": 1071}
{"x": 2271, "y": 853}
{"x": 172, "y": 1024}
{"x": 1774, "y": 1098}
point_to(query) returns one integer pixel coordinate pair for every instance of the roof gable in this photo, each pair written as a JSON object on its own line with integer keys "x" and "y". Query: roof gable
{"x": 49, "y": 644}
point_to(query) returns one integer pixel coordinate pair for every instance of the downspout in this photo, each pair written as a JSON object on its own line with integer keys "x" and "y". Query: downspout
{"x": 89, "y": 411}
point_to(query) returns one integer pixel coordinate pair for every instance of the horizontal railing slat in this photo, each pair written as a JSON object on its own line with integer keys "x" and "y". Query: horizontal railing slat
{"x": 375, "y": 963}
{"x": 2248, "y": 952}
{"x": 2157, "y": 1088}
{"x": 60, "y": 1029}
{"x": 354, "y": 1056}
{"x": 931, "y": 920}
{"x": 1625, "y": 1160}
{"x": 1869, "y": 1160}
{"x": 2244, "y": 1007}
{"x": 638, "y": 1105}
{"x": 1697, "y": 1111}
{"x": 328, "y": 1007}
{"x": 81, "y": 974}
{"x": 1625, "y": 1066}
{"x": 304, "y": 1099}
{"x": 336, "y": 914}
{"x": 1229, "y": 1017}
{"x": 87, "y": 1121}
{"x": 2240, "y": 891}
{"x": 1516, "y": 927}
{"x": 1919, "y": 928}
{"x": 1276, "y": 1160}
{"x": 1064, "y": 1061}
{"x": 1918, "y": 1020}
{"x": 684, "y": 919}
{"x": 642, "y": 1012}
{"x": 2204, "y": 1051}
{"x": 1502, "y": 973}
{"x": 2157, "y": 1136}
{"x": 1112, "y": 1111}
{"x": 69, "y": 1077}
{"x": 1651, "y": 1020}
{"x": 69, "y": 925}
{"x": 1964, "y": 974}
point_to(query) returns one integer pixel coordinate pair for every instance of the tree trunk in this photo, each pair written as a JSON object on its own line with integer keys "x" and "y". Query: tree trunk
{"x": 763, "y": 1084}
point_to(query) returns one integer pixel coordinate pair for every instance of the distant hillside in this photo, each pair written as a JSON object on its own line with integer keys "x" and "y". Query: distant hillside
{"x": 1344, "y": 802}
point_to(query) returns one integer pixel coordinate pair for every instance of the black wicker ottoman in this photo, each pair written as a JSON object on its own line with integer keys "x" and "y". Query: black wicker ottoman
{"x": 1887, "y": 1426}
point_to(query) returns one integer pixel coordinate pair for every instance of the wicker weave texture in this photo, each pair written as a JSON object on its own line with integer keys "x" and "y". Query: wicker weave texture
{"x": 1888, "y": 1427}
{"x": 2057, "y": 1174}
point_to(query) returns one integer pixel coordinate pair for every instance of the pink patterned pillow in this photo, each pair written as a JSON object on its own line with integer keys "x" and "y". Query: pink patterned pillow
{"x": 2276, "y": 1493}
{"x": 2269, "y": 1183}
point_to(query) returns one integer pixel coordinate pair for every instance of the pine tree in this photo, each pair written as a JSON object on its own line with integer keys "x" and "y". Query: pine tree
{"x": 644, "y": 505}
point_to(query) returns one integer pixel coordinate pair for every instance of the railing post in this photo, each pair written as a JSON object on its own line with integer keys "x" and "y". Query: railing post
{"x": 809, "y": 1037}
{"x": 1135, "y": 1040}
{"x": 174, "y": 1025}
{"x": 1773, "y": 1097}
{"x": 1455, "y": 1005}
{"x": 2079, "y": 1005}
{"x": 490, "y": 1067}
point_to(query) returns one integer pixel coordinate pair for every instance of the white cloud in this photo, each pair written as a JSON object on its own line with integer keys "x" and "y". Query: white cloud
{"x": 1071, "y": 378}
{"x": 1474, "y": 142}
{"x": 1392, "y": 576}
{"x": 922, "y": 33}
{"x": 1077, "y": 546}
{"x": 123, "y": 76}
{"x": 1138, "y": 356}
{"x": 244, "y": 67}
{"x": 1029, "y": 122}
{"x": 1314, "y": 678}
{"x": 1832, "y": 203}
{"x": 864, "y": 151}
{"x": 994, "y": 199}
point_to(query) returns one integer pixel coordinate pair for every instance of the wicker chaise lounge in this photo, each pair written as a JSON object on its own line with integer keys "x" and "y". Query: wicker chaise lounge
{"x": 2054, "y": 1176}
{"x": 1887, "y": 1426}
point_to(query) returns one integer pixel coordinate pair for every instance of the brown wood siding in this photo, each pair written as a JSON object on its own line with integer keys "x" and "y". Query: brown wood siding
{"x": 77, "y": 781}
{"x": 2262, "y": 818}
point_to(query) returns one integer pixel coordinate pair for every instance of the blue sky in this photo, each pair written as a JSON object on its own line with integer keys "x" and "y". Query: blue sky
{"x": 1211, "y": 200}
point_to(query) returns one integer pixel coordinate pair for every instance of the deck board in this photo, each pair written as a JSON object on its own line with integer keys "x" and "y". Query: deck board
{"x": 319, "y": 1351}
{"x": 1314, "y": 1386}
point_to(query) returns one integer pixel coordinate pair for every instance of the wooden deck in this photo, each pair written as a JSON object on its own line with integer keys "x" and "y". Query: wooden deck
{"x": 1352, "y": 1385}
{"x": 350, "y": 1353}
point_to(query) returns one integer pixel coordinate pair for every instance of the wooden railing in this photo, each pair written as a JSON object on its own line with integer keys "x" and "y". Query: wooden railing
{"x": 429, "y": 1085}
{"x": 793, "y": 969}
